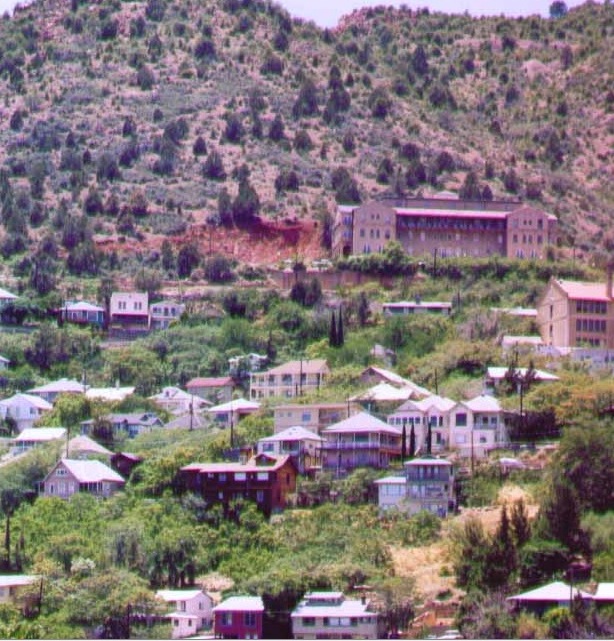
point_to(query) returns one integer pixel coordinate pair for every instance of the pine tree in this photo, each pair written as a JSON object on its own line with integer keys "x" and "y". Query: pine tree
{"x": 404, "y": 443}
{"x": 412, "y": 442}
{"x": 340, "y": 334}
{"x": 332, "y": 335}
{"x": 521, "y": 527}
{"x": 501, "y": 559}
{"x": 429, "y": 440}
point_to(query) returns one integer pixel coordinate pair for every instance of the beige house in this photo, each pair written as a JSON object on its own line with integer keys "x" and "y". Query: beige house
{"x": 215, "y": 389}
{"x": 445, "y": 227}
{"x": 430, "y": 485}
{"x": 314, "y": 416}
{"x": 577, "y": 314}
{"x": 192, "y": 610}
{"x": 477, "y": 426}
{"x": 329, "y": 615}
{"x": 129, "y": 310}
{"x": 289, "y": 380}
{"x": 301, "y": 445}
{"x": 18, "y": 589}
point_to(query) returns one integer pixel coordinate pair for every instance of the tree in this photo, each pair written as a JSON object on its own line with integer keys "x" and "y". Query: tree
{"x": 501, "y": 557}
{"x": 404, "y": 442}
{"x": 276, "y": 130}
{"x": 188, "y": 259}
{"x": 234, "y": 128}
{"x": 429, "y": 440}
{"x": 199, "y": 148}
{"x": 224, "y": 208}
{"x": 168, "y": 257}
{"x": 558, "y": 9}
{"x": 332, "y": 334}
{"x": 412, "y": 441}
{"x": 520, "y": 524}
{"x": 246, "y": 205}
{"x": 214, "y": 167}
{"x": 340, "y": 333}
{"x": 470, "y": 189}
{"x": 419, "y": 61}
{"x": 364, "y": 310}
{"x": 306, "y": 103}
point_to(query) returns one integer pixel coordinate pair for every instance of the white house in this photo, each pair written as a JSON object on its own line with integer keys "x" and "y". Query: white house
{"x": 33, "y": 436}
{"x": 14, "y": 588}
{"x": 24, "y": 409}
{"x": 192, "y": 610}
{"x": 161, "y": 315}
{"x": 51, "y": 391}
{"x": 392, "y": 493}
{"x": 302, "y": 445}
{"x": 477, "y": 426}
{"x": 231, "y": 413}
{"x": 70, "y": 476}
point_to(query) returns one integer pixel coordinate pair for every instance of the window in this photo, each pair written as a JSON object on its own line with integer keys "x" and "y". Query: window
{"x": 309, "y": 621}
{"x": 260, "y": 496}
{"x": 240, "y": 476}
{"x": 306, "y": 417}
{"x": 461, "y": 419}
{"x": 262, "y": 476}
{"x": 249, "y": 619}
{"x": 226, "y": 618}
{"x": 60, "y": 472}
{"x": 222, "y": 477}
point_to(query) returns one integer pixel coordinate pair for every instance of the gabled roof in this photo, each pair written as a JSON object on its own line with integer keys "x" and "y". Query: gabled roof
{"x": 240, "y": 604}
{"x": 219, "y": 381}
{"x": 17, "y": 580}
{"x": 605, "y": 592}
{"x": 432, "y": 402}
{"x": 172, "y": 393}
{"x": 361, "y": 422}
{"x": 498, "y": 373}
{"x": 483, "y": 403}
{"x": 313, "y": 366}
{"x": 428, "y": 460}
{"x": 84, "y": 443}
{"x": 180, "y": 595}
{"x": 295, "y": 433}
{"x": 82, "y": 306}
{"x": 396, "y": 379}
{"x": 4, "y": 360}
{"x": 31, "y": 399}
{"x": 529, "y": 210}
{"x": 6, "y": 295}
{"x": 187, "y": 421}
{"x": 392, "y": 480}
{"x": 109, "y": 393}
{"x": 89, "y": 471}
{"x": 237, "y": 405}
{"x": 555, "y": 592}
{"x": 583, "y": 290}
{"x": 383, "y": 392}
{"x": 61, "y": 386}
{"x": 40, "y": 434}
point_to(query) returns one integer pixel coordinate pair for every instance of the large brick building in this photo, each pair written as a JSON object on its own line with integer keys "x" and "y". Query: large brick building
{"x": 446, "y": 226}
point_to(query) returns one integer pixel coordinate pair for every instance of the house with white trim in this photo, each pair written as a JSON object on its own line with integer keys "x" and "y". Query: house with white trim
{"x": 70, "y": 476}
{"x": 301, "y": 445}
{"x": 50, "y": 391}
{"x": 24, "y": 409}
{"x": 477, "y": 426}
{"x": 192, "y": 610}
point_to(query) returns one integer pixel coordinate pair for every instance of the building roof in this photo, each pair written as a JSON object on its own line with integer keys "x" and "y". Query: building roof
{"x": 432, "y": 402}
{"x": 6, "y": 295}
{"x": 452, "y": 213}
{"x": 525, "y": 312}
{"x": 498, "y": 373}
{"x": 61, "y": 386}
{"x": 392, "y": 480}
{"x": 483, "y": 403}
{"x": 240, "y": 604}
{"x": 236, "y": 405}
{"x": 412, "y": 304}
{"x": 82, "y": 306}
{"x": 90, "y": 471}
{"x": 4, "y": 360}
{"x": 383, "y": 392}
{"x": 250, "y": 466}
{"x": 84, "y": 443}
{"x": 605, "y": 592}
{"x": 347, "y": 608}
{"x": 556, "y": 592}
{"x": 428, "y": 460}
{"x": 361, "y": 422}
{"x": 40, "y": 434}
{"x": 180, "y": 595}
{"x": 295, "y": 433}
{"x": 310, "y": 406}
{"x": 219, "y": 381}
{"x": 173, "y": 393}
{"x": 306, "y": 366}
{"x": 186, "y": 421}
{"x": 109, "y": 393}
{"x": 16, "y": 580}
{"x": 137, "y": 297}
{"x": 36, "y": 401}
{"x": 396, "y": 379}
{"x": 583, "y": 290}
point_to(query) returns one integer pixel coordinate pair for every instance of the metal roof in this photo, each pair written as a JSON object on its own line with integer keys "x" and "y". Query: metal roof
{"x": 361, "y": 422}
{"x": 240, "y": 604}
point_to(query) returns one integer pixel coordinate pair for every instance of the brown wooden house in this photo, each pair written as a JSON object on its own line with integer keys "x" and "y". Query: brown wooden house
{"x": 266, "y": 480}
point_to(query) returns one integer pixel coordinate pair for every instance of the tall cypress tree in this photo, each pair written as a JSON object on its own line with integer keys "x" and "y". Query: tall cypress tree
{"x": 332, "y": 334}
{"x": 412, "y": 442}
{"x": 404, "y": 443}
{"x": 340, "y": 335}
{"x": 429, "y": 440}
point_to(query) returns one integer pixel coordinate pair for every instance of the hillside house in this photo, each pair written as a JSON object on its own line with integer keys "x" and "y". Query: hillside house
{"x": 6, "y": 297}
{"x": 495, "y": 376}
{"x": 51, "y": 391}
{"x": 432, "y": 411}
{"x": 330, "y": 615}
{"x": 301, "y": 445}
{"x": 313, "y": 416}
{"x": 125, "y": 462}
{"x": 216, "y": 390}
{"x": 444, "y": 227}
{"x": 266, "y": 480}
{"x": 35, "y": 436}
{"x": 177, "y": 401}
{"x": 83, "y": 313}
{"x": 403, "y": 308}
{"x": 161, "y": 315}
{"x": 129, "y": 312}
{"x": 18, "y": 590}
{"x": 191, "y": 611}
{"x": 24, "y": 409}
{"x": 229, "y": 414}
{"x": 477, "y": 426}
{"x": 70, "y": 476}
{"x": 373, "y": 375}
{"x": 4, "y": 363}
{"x": 83, "y": 447}
{"x": 130, "y": 425}
{"x": 109, "y": 394}
{"x": 555, "y": 594}
{"x": 359, "y": 441}
{"x": 239, "y": 617}
{"x": 573, "y": 314}
{"x": 289, "y": 380}
{"x": 430, "y": 486}
{"x": 392, "y": 493}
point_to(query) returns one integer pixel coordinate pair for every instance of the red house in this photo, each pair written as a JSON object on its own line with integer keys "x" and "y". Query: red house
{"x": 267, "y": 480}
{"x": 239, "y": 617}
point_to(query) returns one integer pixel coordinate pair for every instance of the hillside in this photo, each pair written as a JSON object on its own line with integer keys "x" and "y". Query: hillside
{"x": 123, "y": 123}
